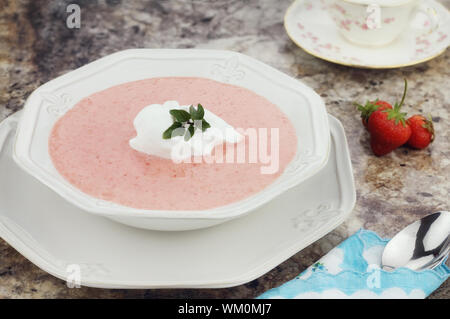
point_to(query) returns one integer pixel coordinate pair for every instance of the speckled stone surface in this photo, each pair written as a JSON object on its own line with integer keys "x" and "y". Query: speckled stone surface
{"x": 36, "y": 46}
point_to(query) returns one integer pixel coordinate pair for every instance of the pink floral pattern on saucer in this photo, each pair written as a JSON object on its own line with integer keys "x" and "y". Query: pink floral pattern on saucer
{"x": 326, "y": 48}
{"x": 310, "y": 26}
{"x": 424, "y": 45}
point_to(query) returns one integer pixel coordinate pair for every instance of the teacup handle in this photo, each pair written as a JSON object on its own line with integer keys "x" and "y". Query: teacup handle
{"x": 432, "y": 15}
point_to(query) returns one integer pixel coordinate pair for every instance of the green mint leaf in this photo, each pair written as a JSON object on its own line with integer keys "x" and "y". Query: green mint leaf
{"x": 185, "y": 123}
{"x": 205, "y": 125}
{"x": 198, "y": 123}
{"x": 167, "y": 134}
{"x": 193, "y": 112}
{"x": 180, "y": 115}
{"x": 197, "y": 114}
{"x": 190, "y": 132}
{"x": 178, "y": 132}
{"x": 201, "y": 110}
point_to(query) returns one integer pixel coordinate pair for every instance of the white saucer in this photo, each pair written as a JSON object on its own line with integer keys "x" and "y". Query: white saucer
{"x": 53, "y": 234}
{"x": 308, "y": 24}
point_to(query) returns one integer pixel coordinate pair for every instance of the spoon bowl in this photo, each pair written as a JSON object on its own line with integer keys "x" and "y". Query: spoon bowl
{"x": 421, "y": 245}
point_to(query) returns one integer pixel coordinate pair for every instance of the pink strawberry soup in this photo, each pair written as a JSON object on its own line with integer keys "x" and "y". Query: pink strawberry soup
{"x": 89, "y": 146}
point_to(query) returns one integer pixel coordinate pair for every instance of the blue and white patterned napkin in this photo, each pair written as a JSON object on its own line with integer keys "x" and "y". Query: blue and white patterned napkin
{"x": 352, "y": 270}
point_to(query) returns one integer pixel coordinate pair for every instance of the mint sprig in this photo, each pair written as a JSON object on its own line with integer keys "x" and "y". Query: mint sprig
{"x": 186, "y": 123}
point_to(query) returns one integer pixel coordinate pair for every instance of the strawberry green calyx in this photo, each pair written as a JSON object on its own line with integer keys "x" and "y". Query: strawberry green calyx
{"x": 395, "y": 114}
{"x": 368, "y": 109}
{"x": 428, "y": 125}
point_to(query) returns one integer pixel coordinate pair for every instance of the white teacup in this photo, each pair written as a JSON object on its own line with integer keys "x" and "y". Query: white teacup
{"x": 377, "y": 22}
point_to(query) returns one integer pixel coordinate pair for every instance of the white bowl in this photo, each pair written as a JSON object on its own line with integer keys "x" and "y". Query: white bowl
{"x": 50, "y": 101}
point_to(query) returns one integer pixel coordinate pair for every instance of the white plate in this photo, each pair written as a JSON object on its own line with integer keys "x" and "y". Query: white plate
{"x": 51, "y": 100}
{"x": 309, "y": 25}
{"x": 53, "y": 234}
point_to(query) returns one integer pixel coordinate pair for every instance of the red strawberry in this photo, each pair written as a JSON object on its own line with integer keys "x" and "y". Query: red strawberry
{"x": 388, "y": 128}
{"x": 422, "y": 131}
{"x": 370, "y": 107}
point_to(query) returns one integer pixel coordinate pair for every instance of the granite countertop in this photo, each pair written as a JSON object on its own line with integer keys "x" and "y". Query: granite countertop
{"x": 392, "y": 191}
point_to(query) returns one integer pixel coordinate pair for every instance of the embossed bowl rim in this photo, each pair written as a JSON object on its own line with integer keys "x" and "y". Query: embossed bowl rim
{"x": 310, "y": 162}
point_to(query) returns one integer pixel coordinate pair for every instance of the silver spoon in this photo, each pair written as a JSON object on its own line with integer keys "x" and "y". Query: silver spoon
{"x": 423, "y": 244}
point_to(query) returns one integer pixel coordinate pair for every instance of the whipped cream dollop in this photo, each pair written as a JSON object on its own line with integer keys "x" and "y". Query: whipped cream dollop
{"x": 154, "y": 119}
